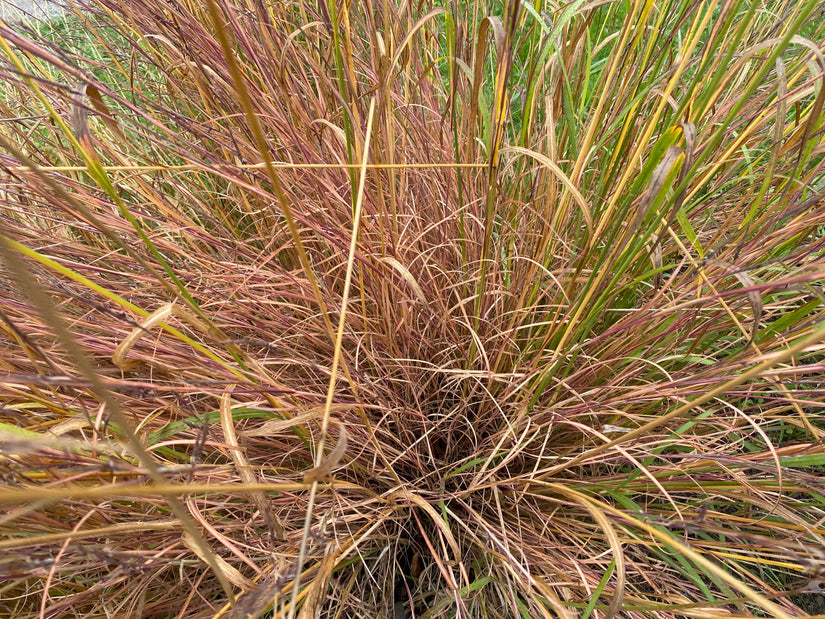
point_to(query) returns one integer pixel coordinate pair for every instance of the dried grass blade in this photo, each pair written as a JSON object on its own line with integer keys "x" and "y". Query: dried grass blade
{"x": 112, "y": 530}
{"x": 46, "y": 496}
{"x": 617, "y": 602}
{"x": 151, "y": 321}
{"x": 689, "y": 132}
{"x": 753, "y": 295}
{"x": 408, "y": 277}
{"x": 230, "y": 573}
{"x": 559, "y": 174}
{"x": 276, "y": 527}
{"x": 309, "y": 609}
{"x": 91, "y": 93}
{"x": 274, "y": 426}
{"x": 331, "y": 461}
{"x": 815, "y": 114}
{"x": 80, "y": 122}
{"x": 406, "y": 41}
{"x": 438, "y": 521}
{"x": 661, "y": 174}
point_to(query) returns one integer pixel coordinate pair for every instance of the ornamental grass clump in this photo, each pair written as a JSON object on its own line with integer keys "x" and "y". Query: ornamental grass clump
{"x": 413, "y": 310}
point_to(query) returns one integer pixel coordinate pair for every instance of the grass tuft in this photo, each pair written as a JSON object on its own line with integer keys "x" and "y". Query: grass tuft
{"x": 493, "y": 309}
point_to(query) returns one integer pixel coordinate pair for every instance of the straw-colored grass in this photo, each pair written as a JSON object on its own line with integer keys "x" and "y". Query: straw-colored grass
{"x": 413, "y": 310}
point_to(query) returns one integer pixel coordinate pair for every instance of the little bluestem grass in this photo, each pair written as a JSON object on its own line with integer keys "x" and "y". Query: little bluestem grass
{"x": 454, "y": 309}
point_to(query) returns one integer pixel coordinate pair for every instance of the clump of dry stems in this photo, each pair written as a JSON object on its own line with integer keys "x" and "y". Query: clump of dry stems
{"x": 413, "y": 310}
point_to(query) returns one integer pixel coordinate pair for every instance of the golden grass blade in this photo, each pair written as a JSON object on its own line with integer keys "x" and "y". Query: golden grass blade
{"x": 152, "y": 320}
{"x": 325, "y": 421}
{"x": 113, "y": 530}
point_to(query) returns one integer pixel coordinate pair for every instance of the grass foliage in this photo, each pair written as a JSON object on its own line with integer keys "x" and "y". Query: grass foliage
{"x": 413, "y": 310}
